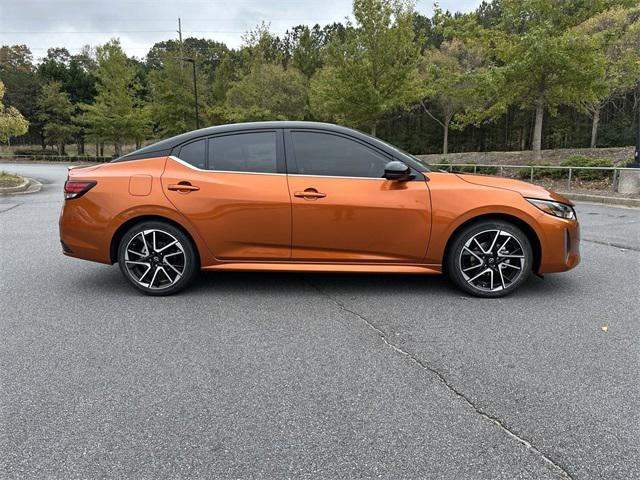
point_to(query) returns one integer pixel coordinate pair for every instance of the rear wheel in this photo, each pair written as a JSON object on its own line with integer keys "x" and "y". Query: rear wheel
{"x": 490, "y": 259}
{"x": 157, "y": 258}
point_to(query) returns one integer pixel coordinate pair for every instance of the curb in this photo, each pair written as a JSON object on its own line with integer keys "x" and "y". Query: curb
{"x": 17, "y": 189}
{"x": 30, "y": 185}
{"x": 587, "y": 197}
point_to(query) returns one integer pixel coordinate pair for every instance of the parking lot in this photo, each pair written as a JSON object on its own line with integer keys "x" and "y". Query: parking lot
{"x": 248, "y": 375}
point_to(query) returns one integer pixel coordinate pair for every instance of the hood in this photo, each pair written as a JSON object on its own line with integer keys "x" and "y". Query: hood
{"x": 523, "y": 188}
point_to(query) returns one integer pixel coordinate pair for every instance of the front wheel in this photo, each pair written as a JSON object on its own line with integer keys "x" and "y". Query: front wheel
{"x": 490, "y": 259}
{"x": 157, "y": 258}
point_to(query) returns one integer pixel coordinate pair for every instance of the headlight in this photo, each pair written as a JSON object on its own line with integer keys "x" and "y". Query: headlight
{"x": 556, "y": 209}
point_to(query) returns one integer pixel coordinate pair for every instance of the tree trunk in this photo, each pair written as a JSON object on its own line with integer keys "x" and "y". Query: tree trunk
{"x": 594, "y": 127}
{"x": 60, "y": 148}
{"x": 81, "y": 146}
{"x": 102, "y": 149}
{"x": 117, "y": 149}
{"x": 97, "y": 149}
{"x": 445, "y": 140}
{"x": 536, "y": 144}
{"x": 373, "y": 129}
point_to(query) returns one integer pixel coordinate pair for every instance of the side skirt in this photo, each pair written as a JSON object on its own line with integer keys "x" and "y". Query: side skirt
{"x": 327, "y": 267}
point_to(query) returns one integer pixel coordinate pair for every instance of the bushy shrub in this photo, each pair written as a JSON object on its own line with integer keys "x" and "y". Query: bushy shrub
{"x": 538, "y": 173}
{"x": 35, "y": 152}
{"x": 563, "y": 173}
{"x": 580, "y": 161}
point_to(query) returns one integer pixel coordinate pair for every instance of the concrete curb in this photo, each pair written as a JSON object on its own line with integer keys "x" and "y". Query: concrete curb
{"x": 18, "y": 188}
{"x": 587, "y": 197}
{"x": 31, "y": 185}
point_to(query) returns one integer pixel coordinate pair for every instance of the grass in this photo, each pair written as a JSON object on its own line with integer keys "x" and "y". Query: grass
{"x": 9, "y": 179}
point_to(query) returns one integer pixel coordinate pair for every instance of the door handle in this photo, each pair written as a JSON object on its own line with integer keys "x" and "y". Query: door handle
{"x": 310, "y": 193}
{"x": 185, "y": 187}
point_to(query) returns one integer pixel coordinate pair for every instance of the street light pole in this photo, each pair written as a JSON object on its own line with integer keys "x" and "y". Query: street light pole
{"x": 195, "y": 90}
{"x": 636, "y": 158}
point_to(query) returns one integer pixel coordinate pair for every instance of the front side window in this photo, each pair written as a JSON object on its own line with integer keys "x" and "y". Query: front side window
{"x": 193, "y": 153}
{"x": 332, "y": 155}
{"x": 245, "y": 152}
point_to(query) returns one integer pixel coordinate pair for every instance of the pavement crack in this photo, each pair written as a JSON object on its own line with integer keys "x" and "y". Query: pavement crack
{"x": 553, "y": 466}
{"x": 9, "y": 208}
{"x": 611, "y": 244}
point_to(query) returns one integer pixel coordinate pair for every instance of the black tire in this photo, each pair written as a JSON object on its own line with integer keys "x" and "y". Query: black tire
{"x": 174, "y": 263}
{"x": 469, "y": 252}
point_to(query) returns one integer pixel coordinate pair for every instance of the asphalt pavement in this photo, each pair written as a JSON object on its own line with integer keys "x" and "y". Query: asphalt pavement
{"x": 257, "y": 375}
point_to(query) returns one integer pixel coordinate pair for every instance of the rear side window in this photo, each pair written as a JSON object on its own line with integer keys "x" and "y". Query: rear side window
{"x": 332, "y": 155}
{"x": 194, "y": 153}
{"x": 246, "y": 152}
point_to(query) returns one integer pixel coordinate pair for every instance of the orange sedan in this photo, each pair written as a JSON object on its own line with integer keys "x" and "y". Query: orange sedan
{"x": 308, "y": 197}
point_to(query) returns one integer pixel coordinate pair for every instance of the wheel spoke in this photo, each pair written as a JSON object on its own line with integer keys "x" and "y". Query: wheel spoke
{"x": 155, "y": 274}
{"x": 166, "y": 246}
{"x": 472, "y": 253}
{"x": 501, "y": 278}
{"x": 136, "y": 253}
{"x": 135, "y": 262}
{"x": 144, "y": 274}
{"x": 172, "y": 267}
{"x": 144, "y": 241}
{"x": 512, "y": 266}
{"x": 479, "y": 275}
{"x": 493, "y": 243}
{"x": 473, "y": 267}
{"x": 480, "y": 246}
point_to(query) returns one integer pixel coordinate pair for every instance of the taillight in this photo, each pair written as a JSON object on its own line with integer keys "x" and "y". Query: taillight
{"x": 77, "y": 188}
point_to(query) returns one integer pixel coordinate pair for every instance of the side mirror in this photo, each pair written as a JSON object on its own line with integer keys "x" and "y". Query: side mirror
{"x": 398, "y": 171}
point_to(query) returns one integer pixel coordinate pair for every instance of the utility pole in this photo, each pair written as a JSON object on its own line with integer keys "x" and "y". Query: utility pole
{"x": 636, "y": 158}
{"x": 180, "y": 35}
{"x": 195, "y": 89}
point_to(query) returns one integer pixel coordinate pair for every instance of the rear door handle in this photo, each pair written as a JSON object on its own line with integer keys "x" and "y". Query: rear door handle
{"x": 310, "y": 193}
{"x": 183, "y": 187}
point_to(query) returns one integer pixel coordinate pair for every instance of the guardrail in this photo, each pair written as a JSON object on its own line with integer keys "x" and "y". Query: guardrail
{"x": 558, "y": 171}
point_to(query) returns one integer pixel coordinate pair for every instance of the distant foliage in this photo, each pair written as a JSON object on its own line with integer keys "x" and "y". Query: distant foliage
{"x": 511, "y": 75}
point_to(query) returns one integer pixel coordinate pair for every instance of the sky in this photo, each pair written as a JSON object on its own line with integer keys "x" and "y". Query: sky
{"x": 41, "y": 24}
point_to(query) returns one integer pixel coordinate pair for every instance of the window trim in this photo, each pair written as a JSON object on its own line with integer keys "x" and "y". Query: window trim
{"x": 292, "y": 164}
{"x": 281, "y": 168}
{"x": 177, "y": 154}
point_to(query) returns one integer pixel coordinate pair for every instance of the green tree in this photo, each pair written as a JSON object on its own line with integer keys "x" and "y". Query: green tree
{"x": 448, "y": 78}
{"x": 371, "y": 72}
{"x": 617, "y": 34}
{"x": 22, "y": 85}
{"x": 12, "y": 123}
{"x": 286, "y": 98}
{"x": 56, "y": 112}
{"x": 16, "y": 58}
{"x": 172, "y": 96}
{"x": 540, "y": 63}
{"x": 118, "y": 114}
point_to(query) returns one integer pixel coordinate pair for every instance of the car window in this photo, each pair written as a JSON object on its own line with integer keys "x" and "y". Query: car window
{"x": 246, "y": 152}
{"x": 193, "y": 153}
{"x": 332, "y": 155}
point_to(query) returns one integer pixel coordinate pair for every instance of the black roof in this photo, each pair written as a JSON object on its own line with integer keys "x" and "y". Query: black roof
{"x": 165, "y": 147}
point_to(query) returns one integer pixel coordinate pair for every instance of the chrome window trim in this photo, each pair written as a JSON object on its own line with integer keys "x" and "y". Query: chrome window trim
{"x": 188, "y": 165}
{"x": 336, "y": 176}
{"x": 182, "y": 162}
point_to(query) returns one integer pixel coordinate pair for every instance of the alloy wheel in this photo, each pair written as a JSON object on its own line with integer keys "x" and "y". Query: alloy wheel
{"x": 155, "y": 259}
{"x": 492, "y": 260}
